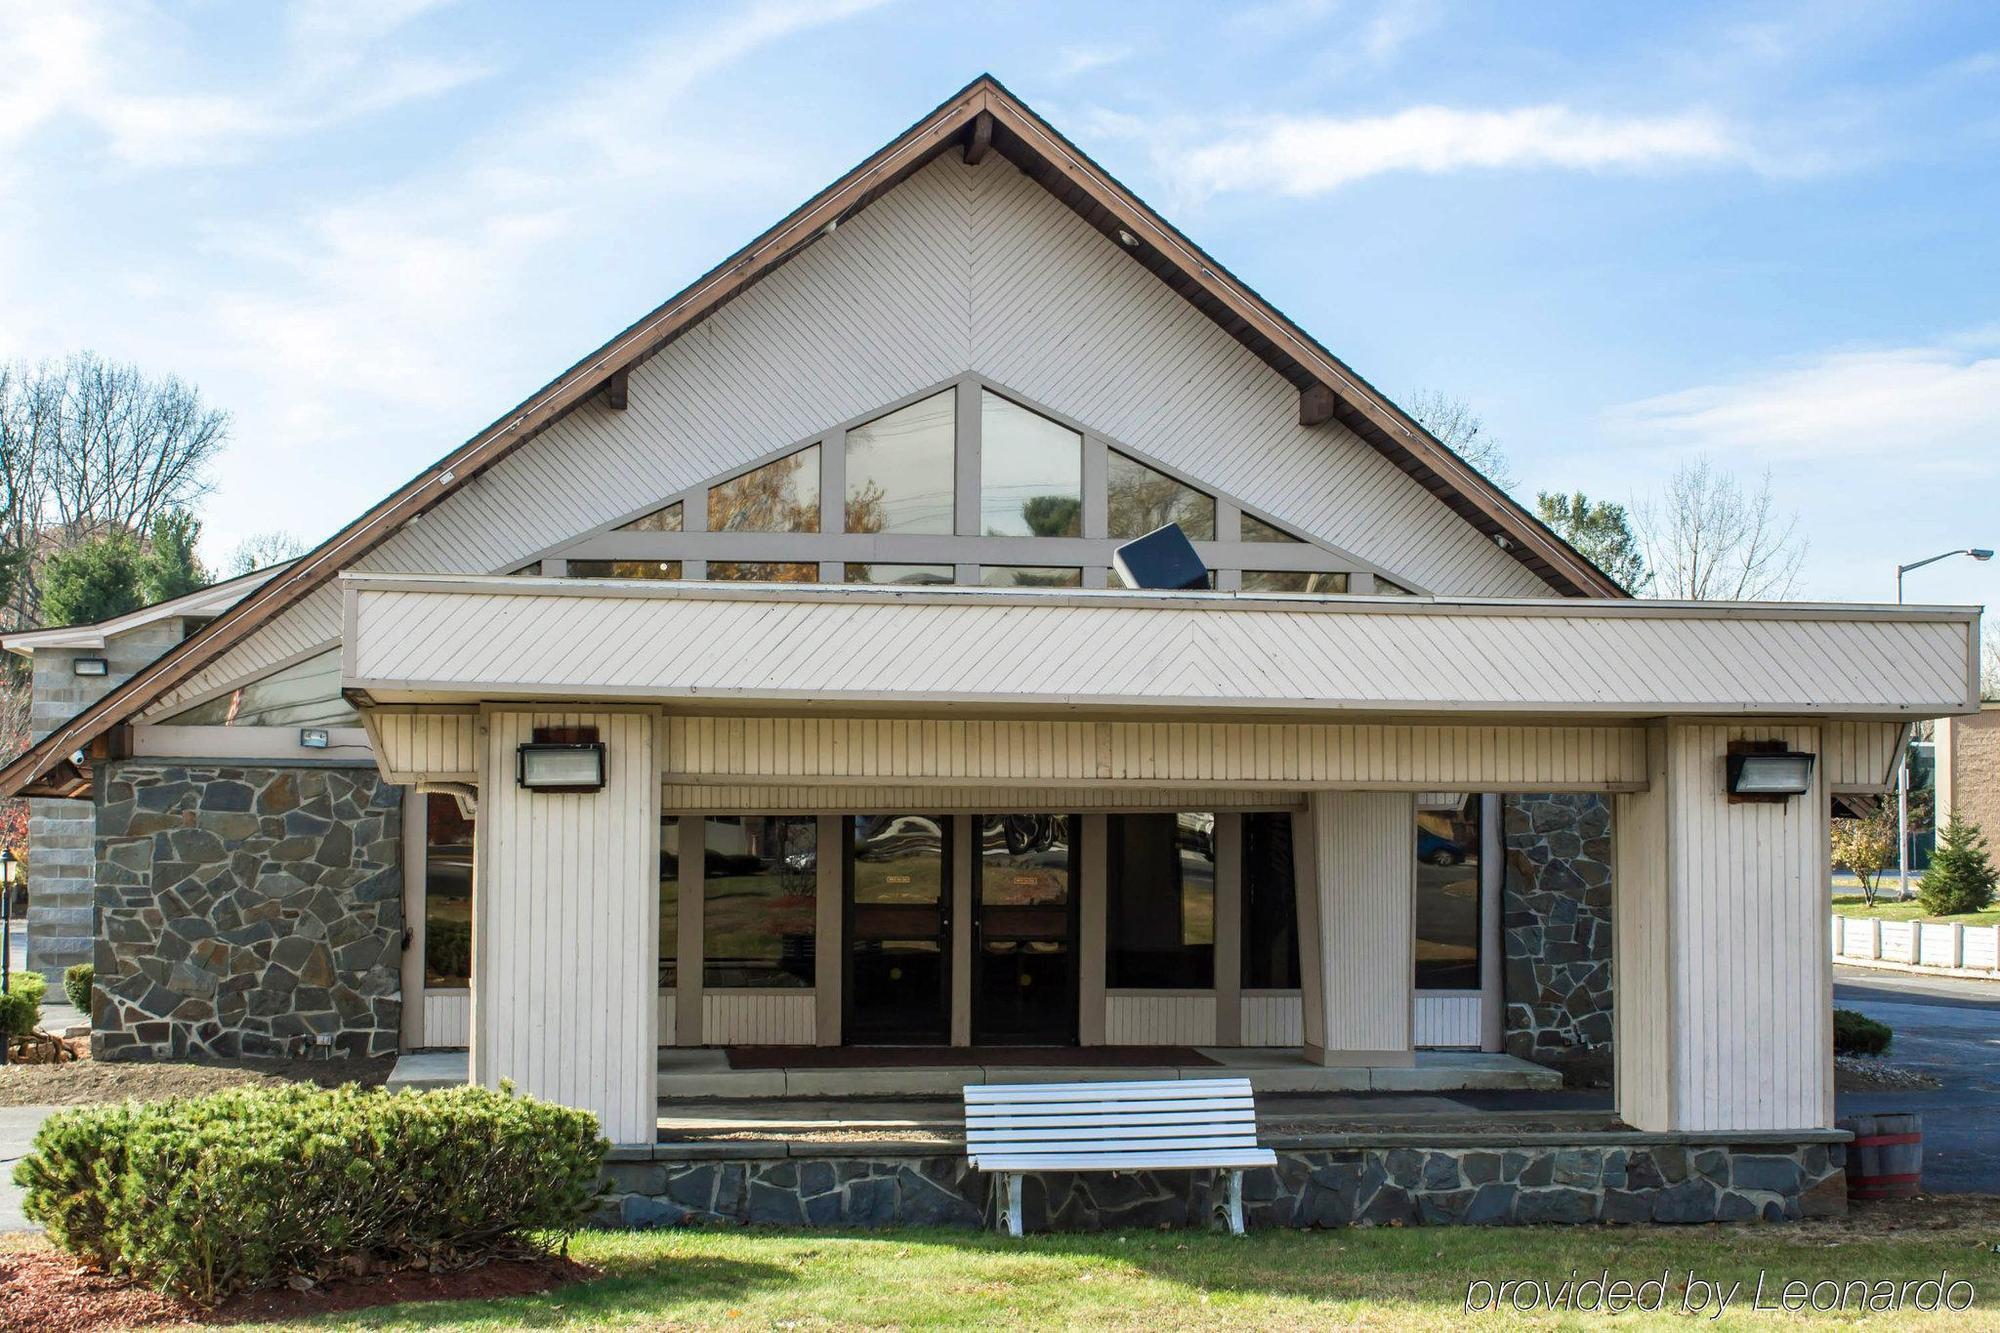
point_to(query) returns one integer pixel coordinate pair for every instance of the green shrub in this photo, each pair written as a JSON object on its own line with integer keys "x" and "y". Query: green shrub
{"x": 21, "y": 1006}
{"x": 1857, "y": 1034}
{"x": 1960, "y": 877}
{"x": 250, "y": 1187}
{"x": 76, "y": 984}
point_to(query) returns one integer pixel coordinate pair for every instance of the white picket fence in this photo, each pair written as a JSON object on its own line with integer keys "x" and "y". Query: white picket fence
{"x": 1974, "y": 950}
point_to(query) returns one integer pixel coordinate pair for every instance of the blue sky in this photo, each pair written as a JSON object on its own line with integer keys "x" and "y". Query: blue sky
{"x": 1628, "y": 235}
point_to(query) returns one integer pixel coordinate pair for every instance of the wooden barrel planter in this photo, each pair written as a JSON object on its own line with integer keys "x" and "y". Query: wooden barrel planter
{"x": 1886, "y": 1159}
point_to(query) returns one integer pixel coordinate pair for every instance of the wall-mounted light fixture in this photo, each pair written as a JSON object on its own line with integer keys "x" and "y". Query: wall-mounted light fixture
{"x": 561, "y": 759}
{"x": 1768, "y": 771}
{"x": 90, "y": 666}
{"x": 314, "y": 738}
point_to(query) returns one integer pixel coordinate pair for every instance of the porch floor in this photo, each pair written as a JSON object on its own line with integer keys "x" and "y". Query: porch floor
{"x": 689, "y": 1073}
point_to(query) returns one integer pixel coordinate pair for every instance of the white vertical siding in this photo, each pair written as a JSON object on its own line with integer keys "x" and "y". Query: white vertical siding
{"x": 1642, "y": 998}
{"x": 758, "y": 1018}
{"x": 566, "y": 929}
{"x": 1449, "y": 1020}
{"x": 1273, "y": 1019}
{"x": 447, "y": 1017}
{"x": 1365, "y": 885}
{"x": 1159, "y": 1019}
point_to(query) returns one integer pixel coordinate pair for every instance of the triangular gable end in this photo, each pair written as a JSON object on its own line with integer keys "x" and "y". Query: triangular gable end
{"x": 983, "y": 118}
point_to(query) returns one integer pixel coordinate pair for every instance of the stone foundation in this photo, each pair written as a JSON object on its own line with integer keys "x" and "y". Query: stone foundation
{"x": 247, "y": 911}
{"x": 1638, "y": 1179}
{"x": 1556, "y": 914}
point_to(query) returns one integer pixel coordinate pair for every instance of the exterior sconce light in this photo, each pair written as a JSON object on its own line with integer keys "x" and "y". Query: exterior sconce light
{"x": 90, "y": 666}
{"x": 1768, "y": 771}
{"x": 313, "y": 738}
{"x": 559, "y": 766}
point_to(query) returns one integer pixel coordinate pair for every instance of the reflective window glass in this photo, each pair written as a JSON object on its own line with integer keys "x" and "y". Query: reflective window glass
{"x": 781, "y": 496}
{"x": 1293, "y": 580}
{"x": 909, "y": 574}
{"x": 900, "y": 469}
{"x": 664, "y": 519}
{"x": 305, "y": 694}
{"x": 447, "y": 893}
{"x": 1029, "y": 576}
{"x": 1270, "y": 905}
{"x": 1161, "y": 927}
{"x": 624, "y": 569}
{"x": 1257, "y": 530}
{"x": 1030, "y": 473}
{"x": 763, "y": 571}
{"x": 1448, "y": 896}
{"x": 761, "y": 878}
{"x": 1141, "y": 499}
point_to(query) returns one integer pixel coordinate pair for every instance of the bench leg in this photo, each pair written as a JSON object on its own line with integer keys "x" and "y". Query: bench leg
{"x": 1236, "y": 1203}
{"x": 1007, "y": 1192}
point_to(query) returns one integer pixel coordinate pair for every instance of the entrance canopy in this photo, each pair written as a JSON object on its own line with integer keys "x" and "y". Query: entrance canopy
{"x": 432, "y": 639}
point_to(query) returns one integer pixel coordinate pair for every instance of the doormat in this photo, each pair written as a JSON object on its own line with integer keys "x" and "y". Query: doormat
{"x": 936, "y": 1057}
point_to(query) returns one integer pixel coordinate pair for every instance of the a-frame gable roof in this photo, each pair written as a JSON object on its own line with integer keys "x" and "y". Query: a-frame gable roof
{"x": 982, "y": 118}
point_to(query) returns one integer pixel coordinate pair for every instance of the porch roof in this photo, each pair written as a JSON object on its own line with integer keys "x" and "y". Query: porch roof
{"x": 417, "y": 638}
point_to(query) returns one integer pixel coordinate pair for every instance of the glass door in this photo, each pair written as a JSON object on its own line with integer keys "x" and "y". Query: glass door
{"x": 1024, "y": 930}
{"x": 897, "y": 870}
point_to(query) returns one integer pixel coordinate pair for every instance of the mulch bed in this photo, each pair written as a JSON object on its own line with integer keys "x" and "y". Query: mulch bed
{"x": 89, "y": 1082}
{"x": 948, "y": 1057}
{"x": 41, "y": 1288}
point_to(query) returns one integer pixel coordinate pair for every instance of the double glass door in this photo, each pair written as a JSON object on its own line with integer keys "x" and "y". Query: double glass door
{"x": 898, "y": 902}
{"x": 1024, "y": 984}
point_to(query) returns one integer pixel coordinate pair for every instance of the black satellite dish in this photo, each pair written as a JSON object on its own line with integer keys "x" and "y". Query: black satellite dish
{"x": 1162, "y": 560}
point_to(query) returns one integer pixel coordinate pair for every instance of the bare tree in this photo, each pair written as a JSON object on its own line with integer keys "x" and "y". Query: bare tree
{"x": 260, "y": 550}
{"x": 1989, "y": 665}
{"x": 1707, "y": 538}
{"x": 1463, "y": 431}
{"x": 128, "y": 447}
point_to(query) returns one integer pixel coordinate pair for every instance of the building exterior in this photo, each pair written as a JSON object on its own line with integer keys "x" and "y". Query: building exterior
{"x": 1967, "y": 771}
{"x": 802, "y": 584}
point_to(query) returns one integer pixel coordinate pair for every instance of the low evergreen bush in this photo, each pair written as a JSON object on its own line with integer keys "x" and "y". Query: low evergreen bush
{"x": 1961, "y": 878}
{"x": 1857, "y": 1034}
{"x": 76, "y": 984}
{"x": 21, "y": 1006}
{"x": 254, "y": 1187}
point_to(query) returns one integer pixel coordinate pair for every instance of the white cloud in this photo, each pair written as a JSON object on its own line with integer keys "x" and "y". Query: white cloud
{"x": 1309, "y": 155}
{"x": 1933, "y": 408}
{"x": 1074, "y": 60}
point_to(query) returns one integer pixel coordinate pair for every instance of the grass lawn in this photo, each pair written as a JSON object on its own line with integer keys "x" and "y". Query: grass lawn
{"x": 1851, "y": 904}
{"x": 1397, "y": 1278}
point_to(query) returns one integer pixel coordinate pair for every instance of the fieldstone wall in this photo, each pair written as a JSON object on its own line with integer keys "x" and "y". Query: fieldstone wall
{"x": 1333, "y": 1187}
{"x": 247, "y": 911}
{"x": 1556, "y": 917}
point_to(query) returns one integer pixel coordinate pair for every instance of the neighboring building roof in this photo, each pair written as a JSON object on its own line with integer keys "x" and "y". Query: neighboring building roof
{"x": 202, "y": 602}
{"x": 983, "y": 117}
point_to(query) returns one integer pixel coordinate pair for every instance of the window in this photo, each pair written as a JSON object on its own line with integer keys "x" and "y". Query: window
{"x": 930, "y": 575}
{"x": 664, "y": 519}
{"x": 1270, "y": 907}
{"x": 1140, "y": 499}
{"x": 670, "y": 900}
{"x": 447, "y": 893}
{"x": 763, "y": 571}
{"x": 1113, "y": 579}
{"x": 1257, "y": 530}
{"x": 781, "y": 496}
{"x": 1292, "y": 580}
{"x": 1161, "y": 930}
{"x": 304, "y": 694}
{"x": 1448, "y": 896}
{"x": 1029, "y": 576}
{"x": 761, "y": 879}
{"x": 527, "y": 570}
{"x": 624, "y": 569}
{"x": 1030, "y": 473}
{"x": 1384, "y": 588}
{"x": 900, "y": 469}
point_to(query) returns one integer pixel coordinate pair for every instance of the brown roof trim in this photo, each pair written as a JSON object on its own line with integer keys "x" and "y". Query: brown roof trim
{"x": 1048, "y": 157}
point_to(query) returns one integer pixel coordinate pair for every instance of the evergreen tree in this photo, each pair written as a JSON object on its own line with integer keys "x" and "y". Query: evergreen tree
{"x": 1961, "y": 878}
{"x": 1601, "y": 531}
{"x": 170, "y": 567}
{"x": 92, "y": 580}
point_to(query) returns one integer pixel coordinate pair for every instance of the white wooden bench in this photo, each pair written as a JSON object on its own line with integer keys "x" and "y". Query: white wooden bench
{"x": 1173, "y": 1125}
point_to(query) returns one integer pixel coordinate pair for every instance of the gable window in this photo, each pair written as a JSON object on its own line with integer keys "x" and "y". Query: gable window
{"x": 1113, "y": 579}
{"x": 1029, "y": 576}
{"x": 1293, "y": 580}
{"x": 1257, "y": 530}
{"x": 1140, "y": 499}
{"x": 304, "y": 694}
{"x": 781, "y": 496}
{"x": 624, "y": 569}
{"x": 919, "y": 575}
{"x": 901, "y": 469}
{"x": 1161, "y": 928}
{"x": 763, "y": 571}
{"x": 1270, "y": 904}
{"x": 667, "y": 518}
{"x": 1384, "y": 588}
{"x": 1030, "y": 472}
{"x": 761, "y": 880}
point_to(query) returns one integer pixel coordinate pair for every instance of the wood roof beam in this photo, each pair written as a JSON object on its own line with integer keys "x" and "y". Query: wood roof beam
{"x": 979, "y": 139}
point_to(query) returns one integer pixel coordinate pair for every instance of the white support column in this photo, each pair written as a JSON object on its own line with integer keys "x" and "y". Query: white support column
{"x": 1722, "y": 962}
{"x": 567, "y": 926}
{"x": 1363, "y": 889}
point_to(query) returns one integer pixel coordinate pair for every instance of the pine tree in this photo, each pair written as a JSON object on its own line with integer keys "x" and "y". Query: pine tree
{"x": 170, "y": 567}
{"x": 1961, "y": 878}
{"x": 92, "y": 581}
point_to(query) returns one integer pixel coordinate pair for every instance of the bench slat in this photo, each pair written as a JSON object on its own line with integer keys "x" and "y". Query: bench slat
{"x": 1227, "y": 1116}
{"x": 1171, "y": 1161}
{"x": 1188, "y": 1087}
{"x": 1120, "y": 1148}
{"x": 1120, "y": 1134}
{"x": 1092, "y": 1110}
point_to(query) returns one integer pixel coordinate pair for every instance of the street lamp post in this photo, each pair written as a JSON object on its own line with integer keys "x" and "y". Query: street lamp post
{"x": 1903, "y": 767}
{"x": 6, "y": 935}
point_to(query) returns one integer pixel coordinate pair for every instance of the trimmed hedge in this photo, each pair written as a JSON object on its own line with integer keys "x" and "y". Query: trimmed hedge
{"x": 21, "y": 1005}
{"x": 1857, "y": 1034}
{"x": 253, "y": 1187}
{"x": 77, "y": 982}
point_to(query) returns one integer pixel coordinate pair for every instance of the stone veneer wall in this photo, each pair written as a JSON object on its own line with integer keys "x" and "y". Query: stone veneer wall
{"x": 1636, "y": 1181}
{"x": 1556, "y": 919}
{"x": 62, "y": 878}
{"x": 247, "y": 911}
